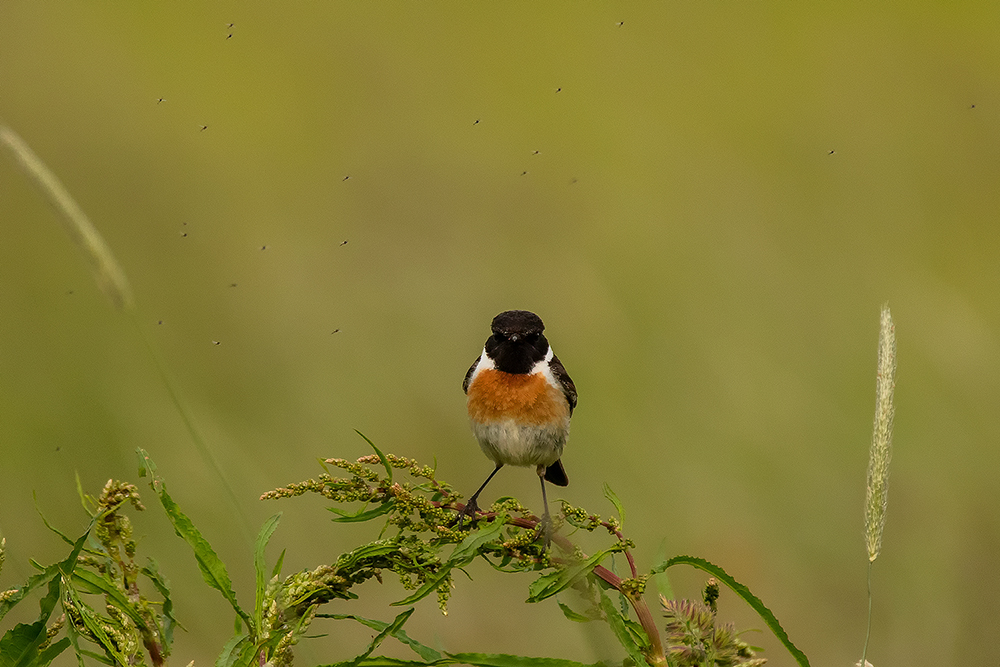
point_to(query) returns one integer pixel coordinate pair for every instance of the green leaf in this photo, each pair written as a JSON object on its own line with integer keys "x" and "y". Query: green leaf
{"x": 152, "y": 572}
{"x": 463, "y": 554}
{"x": 381, "y": 456}
{"x": 504, "y": 660}
{"x": 258, "y": 565}
{"x": 19, "y": 646}
{"x": 33, "y": 582}
{"x": 469, "y": 547}
{"x": 610, "y": 495}
{"x": 361, "y": 515}
{"x": 63, "y": 536}
{"x": 233, "y": 649}
{"x": 426, "y": 652}
{"x": 744, "y": 593}
{"x": 617, "y": 623}
{"x": 382, "y": 661}
{"x": 390, "y": 628}
{"x": 74, "y": 637}
{"x": 661, "y": 579}
{"x": 91, "y": 582}
{"x": 430, "y": 584}
{"x": 46, "y": 577}
{"x": 351, "y": 558}
{"x": 49, "y": 654}
{"x": 95, "y": 626}
{"x": 572, "y": 615}
{"x": 277, "y": 566}
{"x": 213, "y": 570}
{"x": 549, "y": 584}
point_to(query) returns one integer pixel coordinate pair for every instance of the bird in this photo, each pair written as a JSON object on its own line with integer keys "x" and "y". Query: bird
{"x": 520, "y": 400}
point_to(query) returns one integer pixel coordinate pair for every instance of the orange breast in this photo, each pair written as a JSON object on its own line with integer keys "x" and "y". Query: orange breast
{"x": 530, "y": 399}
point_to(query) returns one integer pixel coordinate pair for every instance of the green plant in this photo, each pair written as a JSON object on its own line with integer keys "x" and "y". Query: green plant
{"x": 126, "y": 626}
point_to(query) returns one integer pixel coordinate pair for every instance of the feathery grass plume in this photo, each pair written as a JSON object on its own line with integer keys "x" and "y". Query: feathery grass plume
{"x": 108, "y": 273}
{"x": 881, "y": 450}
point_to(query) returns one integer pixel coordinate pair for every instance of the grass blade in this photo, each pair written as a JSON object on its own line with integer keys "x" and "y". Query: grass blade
{"x": 107, "y": 272}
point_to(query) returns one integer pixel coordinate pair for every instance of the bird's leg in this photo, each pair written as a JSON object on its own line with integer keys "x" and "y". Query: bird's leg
{"x": 546, "y": 523}
{"x": 471, "y": 506}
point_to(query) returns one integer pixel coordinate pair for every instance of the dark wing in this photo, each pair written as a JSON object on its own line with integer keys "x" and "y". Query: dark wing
{"x": 565, "y": 383}
{"x": 468, "y": 376}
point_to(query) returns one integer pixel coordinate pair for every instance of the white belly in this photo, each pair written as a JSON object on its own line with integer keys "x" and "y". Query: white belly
{"x": 506, "y": 442}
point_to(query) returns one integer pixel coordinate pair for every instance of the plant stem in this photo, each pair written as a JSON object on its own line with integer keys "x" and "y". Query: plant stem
{"x": 642, "y": 612}
{"x": 868, "y": 633}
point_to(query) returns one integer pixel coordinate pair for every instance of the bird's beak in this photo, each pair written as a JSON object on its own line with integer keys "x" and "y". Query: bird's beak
{"x": 514, "y": 338}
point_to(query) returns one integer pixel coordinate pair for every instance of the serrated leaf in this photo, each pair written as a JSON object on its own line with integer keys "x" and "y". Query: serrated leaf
{"x": 277, "y": 566}
{"x": 232, "y": 650}
{"x": 381, "y": 456}
{"x": 63, "y": 536}
{"x": 95, "y": 627}
{"x": 548, "y": 585}
{"x": 382, "y": 661}
{"x": 505, "y": 660}
{"x": 50, "y": 653}
{"x": 162, "y": 585}
{"x": 362, "y": 515}
{"x": 258, "y": 565}
{"x": 350, "y": 559}
{"x": 755, "y": 603}
{"x": 572, "y": 615}
{"x": 469, "y": 547}
{"x": 463, "y": 554}
{"x": 50, "y": 576}
{"x": 610, "y": 495}
{"x": 213, "y": 570}
{"x": 426, "y": 652}
{"x": 91, "y": 582}
{"x": 390, "y": 628}
{"x": 617, "y": 623}
{"x": 430, "y": 584}
{"x": 19, "y": 646}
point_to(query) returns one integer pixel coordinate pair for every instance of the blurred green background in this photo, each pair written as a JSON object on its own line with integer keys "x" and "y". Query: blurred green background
{"x": 706, "y": 202}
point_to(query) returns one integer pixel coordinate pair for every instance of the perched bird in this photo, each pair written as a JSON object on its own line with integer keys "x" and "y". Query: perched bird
{"x": 520, "y": 399}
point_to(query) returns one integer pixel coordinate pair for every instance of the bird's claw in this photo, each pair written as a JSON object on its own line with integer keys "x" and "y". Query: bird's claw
{"x": 470, "y": 510}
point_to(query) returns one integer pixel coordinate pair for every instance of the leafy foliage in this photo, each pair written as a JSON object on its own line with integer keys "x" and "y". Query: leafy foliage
{"x": 417, "y": 544}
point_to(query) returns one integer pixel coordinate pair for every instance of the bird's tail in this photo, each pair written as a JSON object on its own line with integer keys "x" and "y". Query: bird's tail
{"x": 556, "y": 474}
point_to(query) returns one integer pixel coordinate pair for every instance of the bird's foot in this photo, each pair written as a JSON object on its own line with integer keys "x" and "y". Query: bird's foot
{"x": 545, "y": 529}
{"x": 470, "y": 510}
